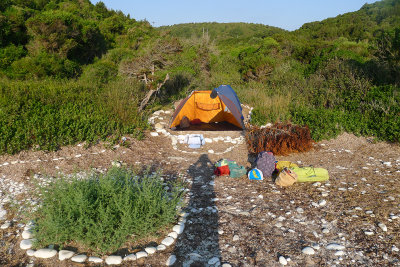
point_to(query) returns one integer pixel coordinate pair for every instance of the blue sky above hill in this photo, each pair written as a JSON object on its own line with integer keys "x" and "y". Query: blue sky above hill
{"x": 285, "y": 14}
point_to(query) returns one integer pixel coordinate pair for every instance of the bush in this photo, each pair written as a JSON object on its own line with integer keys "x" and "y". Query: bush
{"x": 49, "y": 114}
{"x": 102, "y": 212}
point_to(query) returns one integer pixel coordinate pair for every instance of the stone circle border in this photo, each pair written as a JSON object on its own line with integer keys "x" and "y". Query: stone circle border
{"x": 50, "y": 252}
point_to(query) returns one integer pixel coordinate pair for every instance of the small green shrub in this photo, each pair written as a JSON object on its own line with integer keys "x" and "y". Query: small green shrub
{"x": 104, "y": 211}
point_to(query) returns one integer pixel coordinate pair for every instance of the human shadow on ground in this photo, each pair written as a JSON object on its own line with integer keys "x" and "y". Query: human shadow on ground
{"x": 198, "y": 245}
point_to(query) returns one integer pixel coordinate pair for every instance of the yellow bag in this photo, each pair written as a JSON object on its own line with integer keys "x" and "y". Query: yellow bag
{"x": 280, "y": 165}
{"x": 286, "y": 178}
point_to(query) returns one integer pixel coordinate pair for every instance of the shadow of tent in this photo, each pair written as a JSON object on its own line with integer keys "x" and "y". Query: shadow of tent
{"x": 199, "y": 241}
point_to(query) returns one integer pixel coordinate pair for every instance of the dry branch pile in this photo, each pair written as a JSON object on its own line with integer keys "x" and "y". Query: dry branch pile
{"x": 280, "y": 139}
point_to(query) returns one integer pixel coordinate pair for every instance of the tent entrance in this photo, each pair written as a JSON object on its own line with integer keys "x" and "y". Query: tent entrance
{"x": 212, "y": 126}
{"x": 217, "y": 110}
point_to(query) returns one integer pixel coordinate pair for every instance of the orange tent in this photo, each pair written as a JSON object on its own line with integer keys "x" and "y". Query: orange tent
{"x": 200, "y": 105}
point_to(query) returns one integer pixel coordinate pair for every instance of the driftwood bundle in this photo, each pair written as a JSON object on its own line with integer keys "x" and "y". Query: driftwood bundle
{"x": 280, "y": 139}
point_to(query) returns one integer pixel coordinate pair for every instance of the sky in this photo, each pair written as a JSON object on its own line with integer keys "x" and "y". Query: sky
{"x": 286, "y": 14}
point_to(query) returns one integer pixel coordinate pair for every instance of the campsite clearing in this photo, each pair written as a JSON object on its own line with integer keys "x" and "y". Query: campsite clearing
{"x": 238, "y": 221}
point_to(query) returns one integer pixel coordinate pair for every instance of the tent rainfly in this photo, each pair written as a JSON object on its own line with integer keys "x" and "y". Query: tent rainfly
{"x": 220, "y": 104}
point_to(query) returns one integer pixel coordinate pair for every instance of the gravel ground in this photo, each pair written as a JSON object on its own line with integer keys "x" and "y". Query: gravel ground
{"x": 237, "y": 221}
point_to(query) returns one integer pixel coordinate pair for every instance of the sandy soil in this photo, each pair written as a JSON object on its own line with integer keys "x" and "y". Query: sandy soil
{"x": 243, "y": 222}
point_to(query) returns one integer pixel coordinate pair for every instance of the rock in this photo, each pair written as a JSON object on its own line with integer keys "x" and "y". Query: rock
{"x": 339, "y": 253}
{"x": 226, "y": 265}
{"x": 236, "y": 238}
{"x": 382, "y": 226}
{"x": 5, "y": 225}
{"x": 27, "y": 234}
{"x": 130, "y": 257}
{"x": 95, "y": 259}
{"x": 26, "y": 244}
{"x": 335, "y": 246}
{"x": 30, "y": 252}
{"x": 154, "y": 134}
{"x": 45, "y": 253}
{"x": 171, "y": 260}
{"x": 308, "y": 251}
{"x": 213, "y": 260}
{"x": 174, "y": 235}
{"x": 325, "y": 231}
{"x": 3, "y": 213}
{"x": 168, "y": 241}
{"x": 150, "y": 250}
{"x": 282, "y": 260}
{"x": 141, "y": 254}
{"x": 299, "y": 210}
{"x": 178, "y": 228}
{"x": 394, "y": 248}
{"x": 322, "y": 202}
{"x": 113, "y": 260}
{"x": 161, "y": 247}
{"x": 65, "y": 254}
{"x": 211, "y": 151}
{"x": 79, "y": 258}
{"x": 158, "y": 126}
{"x": 316, "y": 184}
{"x": 208, "y": 140}
{"x": 368, "y": 232}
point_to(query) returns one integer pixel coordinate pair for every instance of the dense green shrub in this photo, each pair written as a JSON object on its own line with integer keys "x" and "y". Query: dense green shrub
{"x": 102, "y": 212}
{"x": 48, "y": 114}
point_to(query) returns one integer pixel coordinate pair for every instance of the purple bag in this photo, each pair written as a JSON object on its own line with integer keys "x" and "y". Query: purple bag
{"x": 266, "y": 163}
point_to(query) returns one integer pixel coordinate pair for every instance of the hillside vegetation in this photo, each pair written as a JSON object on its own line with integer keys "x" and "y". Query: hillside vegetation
{"x": 72, "y": 71}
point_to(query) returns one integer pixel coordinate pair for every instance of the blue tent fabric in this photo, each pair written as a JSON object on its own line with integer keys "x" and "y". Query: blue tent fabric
{"x": 228, "y": 95}
{"x": 228, "y": 92}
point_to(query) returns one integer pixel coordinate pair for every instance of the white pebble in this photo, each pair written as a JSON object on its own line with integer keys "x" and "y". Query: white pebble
{"x": 339, "y": 253}
{"x": 168, "y": 241}
{"x": 171, "y": 260}
{"x": 150, "y": 250}
{"x": 5, "y": 225}
{"x": 79, "y": 258}
{"x": 45, "y": 253}
{"x": 154, "y": 134}
{"x": 211, "y": 151}
{"x": 383, "y": 227}
{"x": 368, "y": 232}
{"x": 308, "y": 251}
{"x": 30, "y": 252}
{"x": 130, "y": 257}
{"x": 141, "y": 254}
{"x": 325, "y": 231}
{"x": 113, "y": 260}
{"x": 27, "y": 234}
{"x": 322, "y": 202}
{"x": 282, "y": 260}
{"x": 178, "y": 228}
{"x": 161, "y": 247}
{"x": 65, "y": 254}
{"x": 335, "y": 246}
{"x": 173, "y": 235}
{"x": 299, "y": 210}
{"x": 394, "y": 248}
{"x": 95, "y": 259}
{"x": 26, "y": 244}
